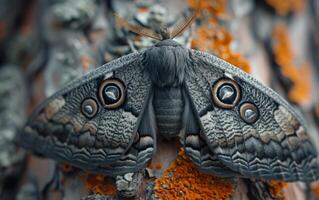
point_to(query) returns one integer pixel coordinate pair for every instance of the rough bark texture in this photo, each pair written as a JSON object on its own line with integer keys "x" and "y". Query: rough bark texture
{"x": 46, "y": 44}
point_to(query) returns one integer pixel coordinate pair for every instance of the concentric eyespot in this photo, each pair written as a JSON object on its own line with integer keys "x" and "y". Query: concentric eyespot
{"x": 249, "y": 112}
{"x": 226, "y": 93}
{"x": 111, "y": 93}
{"x": 89, "y": 108}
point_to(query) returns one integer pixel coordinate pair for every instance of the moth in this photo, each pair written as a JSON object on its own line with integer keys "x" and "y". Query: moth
{"x": 229, "y": 123}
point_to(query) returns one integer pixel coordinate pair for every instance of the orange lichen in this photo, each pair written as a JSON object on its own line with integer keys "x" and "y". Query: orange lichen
{"x": 3, "y": 29}
{"x": 67, "y": 168}
{"x": 300, "y": 76}
{"x": 99, "y": 184}
{"x": 218, "y": 40}
{"x": 28, "y": 18}
{"x": 143, "y": 9}
{"x": 317, "y": 110}
{"x": 215, "y": 7}
{"x": 38, "y": 96}
{"x": 315, "y": 189}
{"x": 85, "y": 61}
{"x": 287, "y": 6}
{"x": 211, "y": 37}
{"x": 156, "y": 166}
{"x": 276, "y": 189}
{"x": 183, "y": 181}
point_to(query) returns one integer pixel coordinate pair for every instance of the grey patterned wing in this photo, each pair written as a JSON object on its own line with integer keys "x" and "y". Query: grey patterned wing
{"x": 246, "y": 126}
{"x": 95, "y": 122}
{"x": 195, "y": 145}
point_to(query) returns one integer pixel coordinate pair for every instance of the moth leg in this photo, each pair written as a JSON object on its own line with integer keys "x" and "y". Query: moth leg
{"x": 128, "y": 184}
{"x": 54, "y": 183}
{"x": 257, "y": 189}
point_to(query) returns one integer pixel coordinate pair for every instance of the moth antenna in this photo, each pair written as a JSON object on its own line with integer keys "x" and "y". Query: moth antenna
{"x": 179, "y": 28}
{"x": 120, "y": 21}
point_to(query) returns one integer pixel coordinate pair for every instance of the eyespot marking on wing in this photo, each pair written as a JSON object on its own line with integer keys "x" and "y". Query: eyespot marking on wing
{"x": 112, "y": 93}
{"x": 89, "y": 107}
{"x": 226, "y": 93}
{"x": 249, "y": 112}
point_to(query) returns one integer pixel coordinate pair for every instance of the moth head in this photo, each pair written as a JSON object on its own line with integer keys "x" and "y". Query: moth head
{"x": 161, "y": 32}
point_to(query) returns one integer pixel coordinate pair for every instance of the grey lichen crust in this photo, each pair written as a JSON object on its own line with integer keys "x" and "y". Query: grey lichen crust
{"x": 12, "y": 115}
{"x": 29, "y": 191}
{"x": 98, "y": 197}
{"x": 128, "y": 185}
{"x": 77, "y": 14}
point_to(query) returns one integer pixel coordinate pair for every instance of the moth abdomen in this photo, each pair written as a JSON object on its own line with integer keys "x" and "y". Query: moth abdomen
{"x": 168, "y": 106}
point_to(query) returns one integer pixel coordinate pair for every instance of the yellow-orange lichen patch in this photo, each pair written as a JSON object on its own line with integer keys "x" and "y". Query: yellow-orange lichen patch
{"x": 85, "y": 61}
{"x": 183, "y": 181}
{"x": 315, "y": 189}
{"x": 300, "y": 76}
{"x": 99, "y": 184}
{"x": 156, "y": 166}
{"x": 215, "y": 7}
{"x": 218, "y": 40}
{"x": 66, "y": 168}
{"x": 317, "y": 110}
{"x": 210, "y": 37}
{"x": 3, "y": 29}
{"x": 287, "y": 6}
{"x": 28, "y": 18}
{"x": 276, "y": 189}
